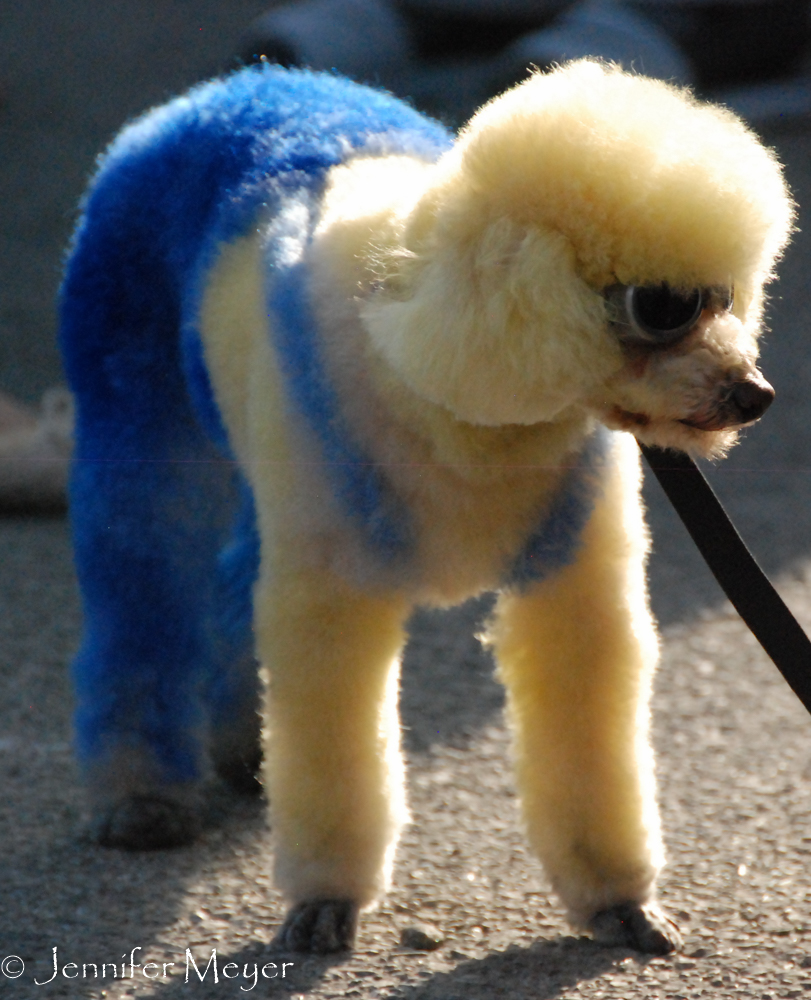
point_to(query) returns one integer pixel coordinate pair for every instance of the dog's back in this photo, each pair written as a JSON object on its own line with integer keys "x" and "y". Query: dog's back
{"x": 189, "y": 177}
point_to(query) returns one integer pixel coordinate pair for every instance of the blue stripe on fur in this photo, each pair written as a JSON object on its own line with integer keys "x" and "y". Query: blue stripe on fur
{"x": 360, "y": 485}
{"x": 555, "y": 542}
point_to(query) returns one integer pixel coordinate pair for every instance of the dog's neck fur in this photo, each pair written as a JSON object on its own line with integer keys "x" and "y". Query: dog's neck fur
{"x": 377, "y": 239}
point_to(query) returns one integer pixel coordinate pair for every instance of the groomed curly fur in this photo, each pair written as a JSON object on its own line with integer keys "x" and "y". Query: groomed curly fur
{"x": 329, "y": 364}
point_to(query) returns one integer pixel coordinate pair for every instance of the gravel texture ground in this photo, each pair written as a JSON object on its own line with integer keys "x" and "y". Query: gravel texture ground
{"x": 734, "y": 745}
{"x": 735, "y": 776}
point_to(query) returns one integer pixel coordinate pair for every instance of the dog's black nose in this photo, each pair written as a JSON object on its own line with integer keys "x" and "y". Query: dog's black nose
{"x": 751, "y": 398}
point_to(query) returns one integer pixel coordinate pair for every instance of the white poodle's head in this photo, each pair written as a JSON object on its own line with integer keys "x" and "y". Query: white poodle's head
{"x": 689, "y": 378}
{"x": 597, "y": 240}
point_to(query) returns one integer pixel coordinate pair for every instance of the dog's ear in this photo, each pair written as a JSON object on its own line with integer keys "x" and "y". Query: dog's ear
{"x": 493, "y": 322}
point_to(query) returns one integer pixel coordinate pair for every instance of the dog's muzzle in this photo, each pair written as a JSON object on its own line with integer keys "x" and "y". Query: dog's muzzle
{"x": 742, "y": 402}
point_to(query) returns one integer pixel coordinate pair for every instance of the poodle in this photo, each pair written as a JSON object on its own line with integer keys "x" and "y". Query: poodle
{"x": 331, "y": 362}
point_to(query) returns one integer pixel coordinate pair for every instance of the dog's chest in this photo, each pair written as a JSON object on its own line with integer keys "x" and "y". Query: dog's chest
{"x": 487, "y": 528}
{"x": 350, "y": 477}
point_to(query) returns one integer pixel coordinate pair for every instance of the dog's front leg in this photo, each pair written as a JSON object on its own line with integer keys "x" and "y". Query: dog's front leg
{"x": 577, "y": 653}
{"x": 332, "y": 755}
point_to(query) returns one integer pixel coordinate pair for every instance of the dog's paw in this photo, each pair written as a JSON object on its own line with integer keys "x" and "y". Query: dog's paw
{"x": 321, "y": 926}
{"x": 644, "y": 928}
{"x": 145, "y": 823}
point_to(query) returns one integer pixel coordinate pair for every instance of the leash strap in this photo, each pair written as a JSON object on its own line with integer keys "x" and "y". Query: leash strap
{"x": 734, "y": 567}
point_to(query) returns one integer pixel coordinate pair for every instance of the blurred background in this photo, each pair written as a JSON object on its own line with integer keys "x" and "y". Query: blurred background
{"x": 73, "y": 71}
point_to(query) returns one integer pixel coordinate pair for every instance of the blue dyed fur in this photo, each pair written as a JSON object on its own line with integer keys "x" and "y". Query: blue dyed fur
{"x": 163, "y": 523}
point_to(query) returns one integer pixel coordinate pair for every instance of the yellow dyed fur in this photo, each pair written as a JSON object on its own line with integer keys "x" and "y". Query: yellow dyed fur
{"x": 462, "y": 322}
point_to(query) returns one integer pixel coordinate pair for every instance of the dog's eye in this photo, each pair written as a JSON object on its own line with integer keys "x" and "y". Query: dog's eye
{"x": 661, "y": 313}
{"x": 653, "y": 314}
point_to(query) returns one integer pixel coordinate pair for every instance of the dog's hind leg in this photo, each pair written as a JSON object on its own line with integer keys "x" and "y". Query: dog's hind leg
{"x": 332, "y": 758}
{"x": 152, "y": 504}
{"x": 577, "y": 653}
{"x": 147, "y": 529}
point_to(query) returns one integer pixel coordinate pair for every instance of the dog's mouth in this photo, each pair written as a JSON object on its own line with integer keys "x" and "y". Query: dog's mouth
{"x": 737, "y": 405}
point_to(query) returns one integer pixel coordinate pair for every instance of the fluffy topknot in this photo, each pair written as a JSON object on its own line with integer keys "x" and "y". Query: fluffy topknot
{"x": 645, "y": 181}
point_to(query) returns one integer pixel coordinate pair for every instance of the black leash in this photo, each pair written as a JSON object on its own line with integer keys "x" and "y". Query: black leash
{"x": 734, "y": 567}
